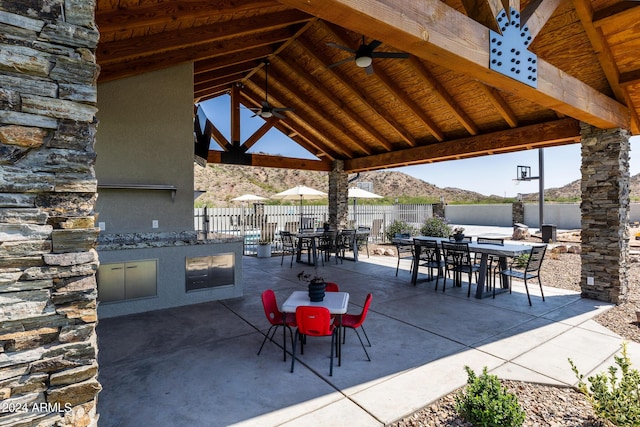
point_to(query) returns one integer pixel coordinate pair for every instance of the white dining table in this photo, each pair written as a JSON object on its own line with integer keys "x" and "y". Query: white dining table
{"x": 336, "y": 302}
{"x": 484, "y": 249}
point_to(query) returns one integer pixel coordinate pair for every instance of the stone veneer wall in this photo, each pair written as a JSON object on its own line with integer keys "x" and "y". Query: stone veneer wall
{"x": 338, "y": 196}
{"x": 48, "y": 349}
{"x": 517, "y": 212}
{"x": 605, "y": 213}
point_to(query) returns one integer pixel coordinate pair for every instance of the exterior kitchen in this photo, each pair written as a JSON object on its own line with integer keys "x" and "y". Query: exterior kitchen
{"x": 150, "y": 255}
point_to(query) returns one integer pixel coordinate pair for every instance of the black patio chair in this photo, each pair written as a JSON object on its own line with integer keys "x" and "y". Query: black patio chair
{"x": 431, "y": 257}
{"x": 530, "y": 271}
{"x": 457, "y": 259}
{"x": 289, "y": 246}
{"x": 493, "y": 261}
{"x": 404, "y": 250}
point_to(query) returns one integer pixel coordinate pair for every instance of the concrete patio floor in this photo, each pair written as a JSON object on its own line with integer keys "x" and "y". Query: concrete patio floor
{"x": 197, "y": 365}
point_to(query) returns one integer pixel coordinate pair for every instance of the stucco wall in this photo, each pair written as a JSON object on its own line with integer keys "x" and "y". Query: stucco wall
{"x": 145, "y": 136}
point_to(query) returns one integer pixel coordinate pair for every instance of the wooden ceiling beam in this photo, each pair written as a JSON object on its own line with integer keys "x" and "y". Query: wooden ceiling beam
{"x": 397, "y": 92}
{"x": 214, "y": 133}
{"x": 329, "y": 97}
{"x": 322, "y": 142}
{"x": 559, "y": 132}
{"x": 623, "y": 14}
{"x": 259, "y": 133}
{"x": 536, "y": 14}
{"x": 300, "y": 136}
{"x": 233, "y": 71}
{"x": 438, "y": 33}
{"x": 584, "y": 10}
{"x": 410, "y": 104}
{"x": 205, "y": 35}
{"x": 441, "y": 93}
{"x": 355, "y": 93}
{"x": 484, "y": 12}
{"x": 500, "y": 104}
{"x": 216, "y": 63}
{"x": 224, "y": 84}
{"x": 195, "y": 53}
{"x": 147, "y": 14}
{"x": 268, "y": 161}
{"x": 340, "y": 132}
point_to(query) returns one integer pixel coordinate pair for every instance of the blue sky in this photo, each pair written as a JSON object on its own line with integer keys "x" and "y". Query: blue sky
{"x": 486, "y": 175}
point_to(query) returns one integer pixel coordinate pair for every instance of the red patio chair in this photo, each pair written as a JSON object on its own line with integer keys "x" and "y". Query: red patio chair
{"x": 314, "y": 322}
{"x": 276, "y": 318}
{"x": 355, "y": 321}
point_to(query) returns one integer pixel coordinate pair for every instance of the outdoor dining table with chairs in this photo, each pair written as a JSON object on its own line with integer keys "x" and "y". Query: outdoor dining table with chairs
{"x": 485, "y": 250}
{"x": 320, "y": 241}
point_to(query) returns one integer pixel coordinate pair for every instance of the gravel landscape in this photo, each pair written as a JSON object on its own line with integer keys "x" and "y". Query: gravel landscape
{"x": 548, "y": 405}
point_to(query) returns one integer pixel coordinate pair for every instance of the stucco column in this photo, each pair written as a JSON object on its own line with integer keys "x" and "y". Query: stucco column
{"x": 338, "y": 192}
{"x": 605, "y": 213}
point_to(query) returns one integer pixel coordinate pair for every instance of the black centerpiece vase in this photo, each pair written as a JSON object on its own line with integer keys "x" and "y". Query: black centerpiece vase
{"x": 458, "y": 237}
{"x": 316, "y": 290}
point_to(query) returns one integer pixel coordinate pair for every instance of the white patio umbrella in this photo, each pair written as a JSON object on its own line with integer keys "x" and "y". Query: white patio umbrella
{"x": 300, "y": 192}
{"x": 246, "y": 198}
{"x": 358, "y": 193}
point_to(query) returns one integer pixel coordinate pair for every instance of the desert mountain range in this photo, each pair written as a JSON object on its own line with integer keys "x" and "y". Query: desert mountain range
{"x": 224, "y": 182}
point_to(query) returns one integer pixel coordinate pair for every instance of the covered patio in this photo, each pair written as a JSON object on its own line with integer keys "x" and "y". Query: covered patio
{"x": 198, "y": 366}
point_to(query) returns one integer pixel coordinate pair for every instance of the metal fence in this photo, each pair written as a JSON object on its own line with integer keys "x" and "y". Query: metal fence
{"x": 264, "y": 222}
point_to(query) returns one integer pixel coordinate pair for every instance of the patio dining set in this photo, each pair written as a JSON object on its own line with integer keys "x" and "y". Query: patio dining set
{"x": 487, "y": 259}
{"x": 321, "y": 244}
{"x": 313, "y": 317}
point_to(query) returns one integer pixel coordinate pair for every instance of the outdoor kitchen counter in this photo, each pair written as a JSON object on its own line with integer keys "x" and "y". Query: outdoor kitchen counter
{"x": 112, "y": 242}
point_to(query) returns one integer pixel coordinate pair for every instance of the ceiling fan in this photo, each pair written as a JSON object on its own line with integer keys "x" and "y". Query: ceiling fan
{"x": 267, "y": 111}
{"x": 365, "y": 53}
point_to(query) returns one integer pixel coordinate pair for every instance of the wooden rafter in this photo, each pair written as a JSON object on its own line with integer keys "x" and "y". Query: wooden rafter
{"x": 355, "y": 94}
{"x": 484, "y": 12}
{"x": 149, "y": 45}
{"x": 268, "y": 161}
{"x": 330, "y": 98}
{"x": 143, "y": 14}
{"x": 500, "y": 104}
{"x": 328, "y": 145}
{"x": 428, "y": 33}
{"x": 441, "y": 93}
{"x": 536, "y": 14}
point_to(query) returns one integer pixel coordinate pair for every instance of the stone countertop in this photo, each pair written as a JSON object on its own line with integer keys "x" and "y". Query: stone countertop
{"x": 110, "y": 242}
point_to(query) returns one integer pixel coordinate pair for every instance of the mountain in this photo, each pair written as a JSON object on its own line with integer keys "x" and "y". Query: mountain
{"x": 224, "y": 182}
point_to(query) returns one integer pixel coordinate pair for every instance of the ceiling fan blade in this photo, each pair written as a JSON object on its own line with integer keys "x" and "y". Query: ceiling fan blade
{"x": 256, "y": 114}
{"x": 335, "y": 64}
{"x": 283, "y": 109}
{"x": 369, "y": 69}
{"x": 348, "y": 49}
{"x": 374, "y": 44}
{"x": 389, "y": 55}
{"x": 278, "y": 115}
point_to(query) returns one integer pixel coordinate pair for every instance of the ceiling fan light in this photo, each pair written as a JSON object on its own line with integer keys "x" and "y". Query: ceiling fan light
{"x": 266, "y": 114}
{"x": 363, "y": 61}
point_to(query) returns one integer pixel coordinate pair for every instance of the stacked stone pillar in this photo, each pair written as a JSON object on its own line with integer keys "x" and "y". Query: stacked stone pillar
{"x": 605, "y": 213}
{"x": 48, "y": 350}
{"x": 338, "y": 196}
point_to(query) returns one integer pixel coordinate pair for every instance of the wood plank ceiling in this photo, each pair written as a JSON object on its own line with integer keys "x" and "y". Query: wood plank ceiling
{"x": 441, "y": 102}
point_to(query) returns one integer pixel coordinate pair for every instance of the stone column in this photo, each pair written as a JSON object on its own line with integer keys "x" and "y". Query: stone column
{"x": 338, "y": 195}
{"x": 605, "y": 213}
{"x": 48, "y": 373}
{"x": 439, "y": 209}
{"x": 517, "y": 212}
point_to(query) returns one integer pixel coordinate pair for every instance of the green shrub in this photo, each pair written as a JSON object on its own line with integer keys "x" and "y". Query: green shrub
{"x": 398, "y": 227}
{"x": 485, "y": 402}
{"x": 613, "y": 399}
{"x": 521, "y": 260}
{"x": 436, "y": 226}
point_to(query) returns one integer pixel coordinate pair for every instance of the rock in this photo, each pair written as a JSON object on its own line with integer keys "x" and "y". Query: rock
{"x": 520, "y": 233}
{"x": 389, "y": 252}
